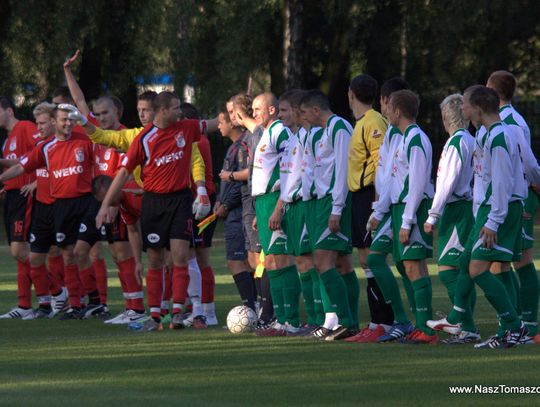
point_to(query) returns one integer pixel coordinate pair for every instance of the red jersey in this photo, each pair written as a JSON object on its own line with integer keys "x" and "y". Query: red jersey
{"x": 107, "y": 158}
{"x": 204, "y": 149}
{"x": 164, "y": 155}
{"x": 43, "y": 189}
{"x": 69, "y": 164}
{"x": 20, "y": 140}
{"x": 130, "y": 204}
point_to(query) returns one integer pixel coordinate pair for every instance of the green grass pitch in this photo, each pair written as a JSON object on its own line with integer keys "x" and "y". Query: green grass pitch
{"x": 87, "y": 363}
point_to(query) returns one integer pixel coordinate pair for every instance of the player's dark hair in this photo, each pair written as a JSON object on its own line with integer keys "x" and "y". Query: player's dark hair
{"x": 393, "y": 85}
{"x": 407, "y": 102}
{"x": 225, "y": 114}
{"x": 101, "y": 182}
{"x": 147, "y": 96}
{"x": 164, "y": 100}
{"x": 7, "y": 103}
{"x": 64, "y": 93}
{"x": 189, "y": 111}
{"x": 317, "y": 98}
{"x": 486, "y": 99}
{"x": 364, "y": 88}
{"x": 504, "y": 84}
{"x": 293, "y": 96}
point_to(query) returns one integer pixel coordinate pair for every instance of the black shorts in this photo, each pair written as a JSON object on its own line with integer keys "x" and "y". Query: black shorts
{"x": 75, "y": 219}
{"x": 165, "y": 217}
{"x": 17, "y": 215}
{"x": 115, "y": 232}
{"x": 205, "y": 239}
{"x": 235, "y": 245}
{"x": 42, "y": 234}
{"x": 361, "y": 209}
{"x": 251, "y": 237}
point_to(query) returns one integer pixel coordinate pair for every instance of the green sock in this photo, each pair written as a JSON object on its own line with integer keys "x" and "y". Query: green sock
{"x": 291, "y": 295}
{"x": 317, "y": 297}
{"x": 506, "y": 280}
{"x": 409, "y": 292}
{"x": 516, "y": 286}
{"x": 449, "y": 279}
{"x": 528, "y": 296}
{"x": 353, "y": 293}
{"x": 423, "y": 304}
{"x": 307, "y": 291}
{"x": 467, "y": 318}
{"x": 464, "y": 286}
{"x": 497, "y": 296}
{"x": 337, "y": 294}
{"x": 276, "y": 290}
{"x": 388, "y": 285}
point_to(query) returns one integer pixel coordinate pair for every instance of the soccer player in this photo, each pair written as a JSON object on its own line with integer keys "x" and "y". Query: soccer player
{"x": 504, "y": 83}
{"x": 408, "y": 200}
{"x": 496, "y": 236}
{"x": 229, "y": 208}
{"x": 451, "y": 209}
{"x": 366, "y": 141}
{"x": 333, "y": 215}
{"x": 163, "y": 150}
{"x": 22, "y": 136}
{"x": 69, "y": 158}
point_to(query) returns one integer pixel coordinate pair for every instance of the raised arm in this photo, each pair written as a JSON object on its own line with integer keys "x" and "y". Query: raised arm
{"x": 74, "y": 88}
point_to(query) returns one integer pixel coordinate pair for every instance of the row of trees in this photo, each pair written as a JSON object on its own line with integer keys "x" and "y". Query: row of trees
{"x": 221, "y": 47}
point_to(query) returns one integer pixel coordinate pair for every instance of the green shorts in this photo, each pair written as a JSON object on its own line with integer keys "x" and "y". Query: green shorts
{"x": 310, "y": 209}
{"x": 508, "y": 246}
{"x": 294, "y": 225}
{"x": 530, "y": 207}
{"x": 326, "y": 240}
{"x": 455, "y": 226}
{"x": 381, "y": 240}
{"x": 420, "y": 243}
{"x": 272, "y": 241}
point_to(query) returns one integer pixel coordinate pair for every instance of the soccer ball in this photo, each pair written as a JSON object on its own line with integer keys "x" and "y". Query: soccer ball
{"x": 241, "y": 319}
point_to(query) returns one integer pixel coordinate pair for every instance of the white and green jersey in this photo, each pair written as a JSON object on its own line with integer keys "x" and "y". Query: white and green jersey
{"x": 389, "y": 147}
{"x": 454, "y": 174}
{"x": 268, "y": 155}
{"x": 502, "y": 173}
{"x": 291, "y": 168}
{"x": 514, "y": 120}
{"x": 509, "y": 115}
{"x": 479, "y": 192}
{"x": 410, "y": 180}
{"x": 308, "y": 162}
{"x": 331, "y": 161}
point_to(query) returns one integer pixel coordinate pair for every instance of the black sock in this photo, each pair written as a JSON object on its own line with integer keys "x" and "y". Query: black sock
{"x": 93, "y": 298}
{"x": 380, "y": 311}
{"x": 246, "y": 288}
{"x": 266, "y": 299}
{"x": 46, "y": 307}
{"x": 257, "y": 281}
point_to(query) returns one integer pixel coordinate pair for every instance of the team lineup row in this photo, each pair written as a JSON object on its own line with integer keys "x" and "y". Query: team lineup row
{"x": 299, "y": 183}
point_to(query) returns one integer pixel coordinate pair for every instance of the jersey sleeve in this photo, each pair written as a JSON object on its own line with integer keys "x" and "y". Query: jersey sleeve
{"x": 418, "y": 177}
{"x": 340, "y": 142}
{"x": 134, "y": 157}
{"x": 197, "y": 164}
{"x": 120, "y": 139}
{"x": 33, "y": 160}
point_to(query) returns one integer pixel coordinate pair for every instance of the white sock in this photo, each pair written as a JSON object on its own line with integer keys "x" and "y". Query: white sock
{"x": 330, "y": 320}
{"x": 386, "y": 327}
{"x": 209, "y": 309}
{"x": 372, "y": 326}
{"x": 368, "y": 273}
{"x": 195, "y": 280}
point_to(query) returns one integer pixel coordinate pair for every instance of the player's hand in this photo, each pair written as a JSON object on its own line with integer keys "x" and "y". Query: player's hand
{"x": 74, "y": 113}
{"x": 224, "y": 175}
{"x": 527, "y": 216}
{"x": 334, "y": 223}
{"x": 102, "y": 217}
{"x": 201, "y": 205}
{"x": 274, "y": 223}
{"x": 429, "y": 228}
{"x": 404, "y": 235}
{"x": 139, "y": 272}
{"x": 28, "y": 189}
{"x": 239, "y": 118}
{"x": 254, "y": 224}
{"x": 489, "y": 236}
{"x": 70, "y": 61}
{"x": 374, "y": 224}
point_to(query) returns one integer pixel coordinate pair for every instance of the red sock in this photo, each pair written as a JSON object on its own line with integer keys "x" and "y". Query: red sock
{"x": 56, "y": 270}
{"x": 134, "y": 291}
{"x": 88, "y": 279}
{"x": 208, "y": 284}
{"x": 71, "y": 276}
{"x": 167, "y": 292}
{"x": 24, "y": 284}
{"x": 41, "y": 283}
{"x": 101, "y": 279}
{"x": 154, "y": 289}
{"x": 180, "y": 282}
{"x": 123, "y": 286}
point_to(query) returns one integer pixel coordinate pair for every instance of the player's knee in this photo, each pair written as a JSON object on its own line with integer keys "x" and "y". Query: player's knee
{"x": 81, "y": 254}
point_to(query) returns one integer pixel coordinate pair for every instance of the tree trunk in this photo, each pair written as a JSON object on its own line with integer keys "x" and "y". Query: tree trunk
{"x": 293, "y": 44}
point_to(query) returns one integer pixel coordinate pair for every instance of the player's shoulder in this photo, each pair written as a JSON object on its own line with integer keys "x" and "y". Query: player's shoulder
{"x": 25, "y": 127}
